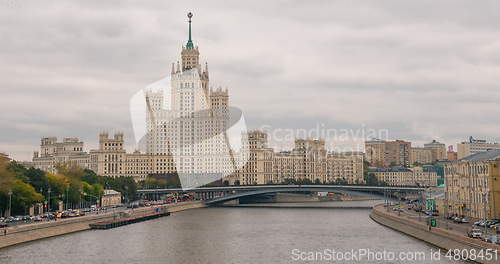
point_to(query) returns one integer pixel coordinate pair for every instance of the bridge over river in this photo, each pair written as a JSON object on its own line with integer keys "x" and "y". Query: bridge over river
{"x": 218, "y": 195}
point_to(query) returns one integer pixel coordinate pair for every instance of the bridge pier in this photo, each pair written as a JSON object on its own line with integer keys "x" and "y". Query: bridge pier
{"x": 232, "y": 202}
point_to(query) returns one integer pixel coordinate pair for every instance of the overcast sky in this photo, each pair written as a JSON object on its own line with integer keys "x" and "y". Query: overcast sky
{"x": 422, "y": 70}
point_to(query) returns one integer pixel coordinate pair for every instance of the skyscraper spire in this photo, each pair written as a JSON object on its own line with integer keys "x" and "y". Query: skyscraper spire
{"x": 190, "y": 54}
{"x": 189, "y": 44}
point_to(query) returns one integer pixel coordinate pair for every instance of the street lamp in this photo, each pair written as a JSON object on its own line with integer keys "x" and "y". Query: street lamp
{"x": 80, "y": 199}
{"x": 49, "y": 208}
{"x": 10, "y": 202}
{"x": 446, "y": 208}
{"x": 67, "y": 189}
{"x": 86, "y": 194}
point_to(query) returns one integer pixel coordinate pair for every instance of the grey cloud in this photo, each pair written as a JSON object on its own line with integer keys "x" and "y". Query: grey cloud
{"x": 421, "y": 69}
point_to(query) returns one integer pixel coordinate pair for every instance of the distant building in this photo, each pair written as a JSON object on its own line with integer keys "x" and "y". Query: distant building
{"x": 110, "y": 159}
{"x": 397, "y": 153}
{"x": 438, "y": 150}
{"x": 375, "y": 152}
{"x": 309, "y": 160}
{"x": 111, "y": 198}
{"x": 382, "y": 153}
{"x": 52, "y": 153}
{"x": 259, "y": 166}
{"x": 416, "y": 176}
{"x": 474, "y": 146}
{"x": 421, "y": 156}
{"x": 451, "y": 155}
{"x": 473, "y": 185}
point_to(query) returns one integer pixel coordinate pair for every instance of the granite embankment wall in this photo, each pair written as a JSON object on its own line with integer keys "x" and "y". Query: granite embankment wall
{"x": 30, "y": 232}
{"x": 438, "y": 237}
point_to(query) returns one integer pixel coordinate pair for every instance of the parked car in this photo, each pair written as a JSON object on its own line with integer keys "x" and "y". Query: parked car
{"x": 495, "y": 227}
{"x": 487, "y": 238}
{"x": 3, "y": 225}
{"x": 397, "y": 208}
{"x": 479, "y": 223}
{"x": 491, "y": 222}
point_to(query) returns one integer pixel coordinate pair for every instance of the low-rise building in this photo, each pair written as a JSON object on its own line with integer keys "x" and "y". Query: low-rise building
{"x": 416, "y": 176}
{"x": 111, "y": 198}
{"x": 473, "y": 185}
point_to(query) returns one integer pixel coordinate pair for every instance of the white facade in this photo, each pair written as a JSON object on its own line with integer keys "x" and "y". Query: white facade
{"x": 188, "y": 134}
{"x": 406, "y": 177}
{"x": 474, "y": 146}
{"x": 52, "y": 153}
{"x": 309, "y": 160}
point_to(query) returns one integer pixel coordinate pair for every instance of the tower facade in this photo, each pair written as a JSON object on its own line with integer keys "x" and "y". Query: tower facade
{"x": 188, "y": 137}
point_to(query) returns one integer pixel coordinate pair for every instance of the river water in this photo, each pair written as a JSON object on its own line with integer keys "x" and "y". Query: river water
{"x": 237, "y": 235}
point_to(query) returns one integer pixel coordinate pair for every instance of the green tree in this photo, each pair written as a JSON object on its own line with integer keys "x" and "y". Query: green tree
{"x": 18, "y": 170}
{"x": 37, "y": 179}
{"x": 24, "y": 195}
{"x": 12, "y": 179}
{"x": 90, "y": 176}
{"x": 371, "y": 180}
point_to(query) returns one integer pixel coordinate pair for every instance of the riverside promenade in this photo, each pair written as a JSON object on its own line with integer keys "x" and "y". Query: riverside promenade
{"x": 450, "y": 241}
{"x": 30, "y": 232}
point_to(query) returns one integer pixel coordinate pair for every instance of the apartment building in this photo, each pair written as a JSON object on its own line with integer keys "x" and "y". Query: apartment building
{"x": 474, "y": 146}
{"x": 473, "y": 185}
{"x": 416, "y": 176}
